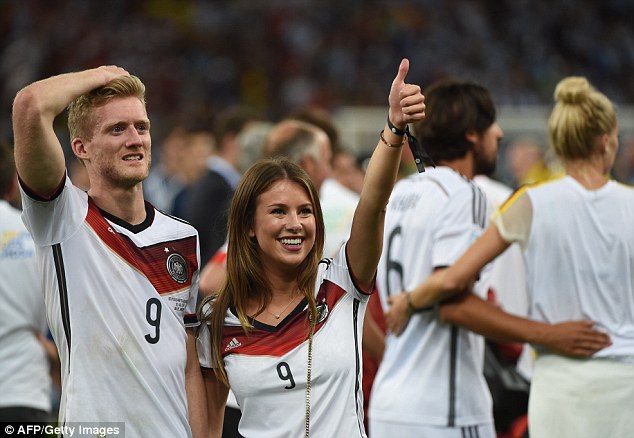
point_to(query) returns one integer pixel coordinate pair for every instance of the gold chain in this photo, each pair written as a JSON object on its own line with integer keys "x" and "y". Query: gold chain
{"x": 308, "y": 374}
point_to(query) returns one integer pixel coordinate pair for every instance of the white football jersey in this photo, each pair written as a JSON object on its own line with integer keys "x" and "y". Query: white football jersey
{"x": 118, "y": 299}
{"x": 432, "y": 373}
{"x": 267, "y": 369}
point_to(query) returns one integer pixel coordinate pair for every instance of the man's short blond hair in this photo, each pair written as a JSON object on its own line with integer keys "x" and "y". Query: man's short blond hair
{"x": 80, "y": 111}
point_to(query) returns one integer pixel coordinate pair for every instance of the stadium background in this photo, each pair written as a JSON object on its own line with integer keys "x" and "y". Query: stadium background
{"x": 200, "y": 57}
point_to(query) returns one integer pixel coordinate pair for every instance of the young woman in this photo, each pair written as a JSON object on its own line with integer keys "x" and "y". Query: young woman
{"x": 285, "y": 331}
{"x": 578, "y": 241}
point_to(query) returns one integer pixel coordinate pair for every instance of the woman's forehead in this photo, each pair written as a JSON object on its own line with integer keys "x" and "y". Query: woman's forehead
{"x": 283, "y": 191}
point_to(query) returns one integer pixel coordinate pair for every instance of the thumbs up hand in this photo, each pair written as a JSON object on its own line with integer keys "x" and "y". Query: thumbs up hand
{"x": 407, "y": 103}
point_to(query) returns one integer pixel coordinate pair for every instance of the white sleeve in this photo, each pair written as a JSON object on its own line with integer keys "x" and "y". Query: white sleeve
{"x": 338, "y": 271}
{"x": 514, "y": 219}
{"x": 55, "y": 220}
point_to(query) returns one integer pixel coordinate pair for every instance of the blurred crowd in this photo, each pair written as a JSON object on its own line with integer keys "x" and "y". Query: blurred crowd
{"x": 274, "y": 56}
{"x": 199, "y": 58}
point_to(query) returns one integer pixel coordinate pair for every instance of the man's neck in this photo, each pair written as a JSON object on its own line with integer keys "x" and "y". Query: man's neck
{"x": 128, "y": 205}
{"x": 463, "y": 166}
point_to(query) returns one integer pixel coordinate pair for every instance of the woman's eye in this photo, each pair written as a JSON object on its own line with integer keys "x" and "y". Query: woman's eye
{"x": 277, "y": 211}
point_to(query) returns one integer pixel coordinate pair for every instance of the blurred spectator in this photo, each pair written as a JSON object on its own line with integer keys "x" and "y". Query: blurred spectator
{"x": 303, "y": 143}
{"x": 526, "y": 163}
{"x": 165, "y": 180}
{"x": 25, "y": 383}
{"x": 199, "y": 146}
{"x": 179, "y": 163}
{"x": 208, "y": 199}
{"x": 251, "y": 140}
{"x": 347, "y": 169}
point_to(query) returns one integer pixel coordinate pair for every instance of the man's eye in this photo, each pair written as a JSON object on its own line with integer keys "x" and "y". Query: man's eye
{"x": 117, "y": 129}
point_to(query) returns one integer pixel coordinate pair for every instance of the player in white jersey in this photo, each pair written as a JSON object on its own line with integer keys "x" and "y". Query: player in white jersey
{"x": 285, "y": 331}
{"x": 431, "y": 375}
{"x": 430, "y": 382}
{"x": 579, "y": 249}
{"x": 120, "y": 278}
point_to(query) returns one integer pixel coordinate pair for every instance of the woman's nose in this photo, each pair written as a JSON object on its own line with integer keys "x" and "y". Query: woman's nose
{"x": 294, "y": 223}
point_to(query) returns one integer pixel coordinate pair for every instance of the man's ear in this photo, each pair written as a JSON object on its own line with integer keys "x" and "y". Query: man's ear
{"x": 79, "y": 148}
{"x": 472, "y": 136}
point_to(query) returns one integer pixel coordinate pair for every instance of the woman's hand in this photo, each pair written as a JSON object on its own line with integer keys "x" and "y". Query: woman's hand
{"x": 407, "y": 103}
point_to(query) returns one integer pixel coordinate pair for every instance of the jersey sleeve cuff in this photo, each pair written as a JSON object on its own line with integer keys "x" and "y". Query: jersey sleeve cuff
{"x": 191, "y": 320}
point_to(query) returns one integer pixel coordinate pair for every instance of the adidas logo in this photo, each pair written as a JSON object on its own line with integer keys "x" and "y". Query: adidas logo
{"x": 233, "y": 344}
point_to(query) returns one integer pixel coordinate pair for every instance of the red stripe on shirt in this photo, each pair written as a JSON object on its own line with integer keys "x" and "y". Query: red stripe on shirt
{"x": 151, "y": 261}
{"x": 287, "y": 337}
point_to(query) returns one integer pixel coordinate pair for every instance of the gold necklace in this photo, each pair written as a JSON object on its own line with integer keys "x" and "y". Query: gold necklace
{"x": 308, "y": 376}
{"x": 278, "y": 314}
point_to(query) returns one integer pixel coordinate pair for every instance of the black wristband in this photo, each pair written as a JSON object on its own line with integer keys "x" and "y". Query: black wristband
{"x": 394, "y": 129}
{"x": 420, "y": 154}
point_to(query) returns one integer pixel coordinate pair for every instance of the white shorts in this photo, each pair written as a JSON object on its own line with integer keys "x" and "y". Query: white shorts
{"x": 581, "y": 398}
{"x": 381, "y": 429}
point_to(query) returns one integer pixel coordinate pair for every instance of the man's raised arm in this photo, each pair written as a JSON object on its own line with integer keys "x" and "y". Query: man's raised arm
{"x": 39, "y": 157}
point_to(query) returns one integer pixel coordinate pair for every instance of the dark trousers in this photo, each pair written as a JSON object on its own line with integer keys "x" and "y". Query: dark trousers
{"x": 230, "y": 427}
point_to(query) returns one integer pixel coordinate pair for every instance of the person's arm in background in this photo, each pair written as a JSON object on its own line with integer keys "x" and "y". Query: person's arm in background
{"x": 366, "y": 236}
{"x": 461, "y": 307}
{"x": 571, "y": 338}
{"x": 447, "y": 282}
